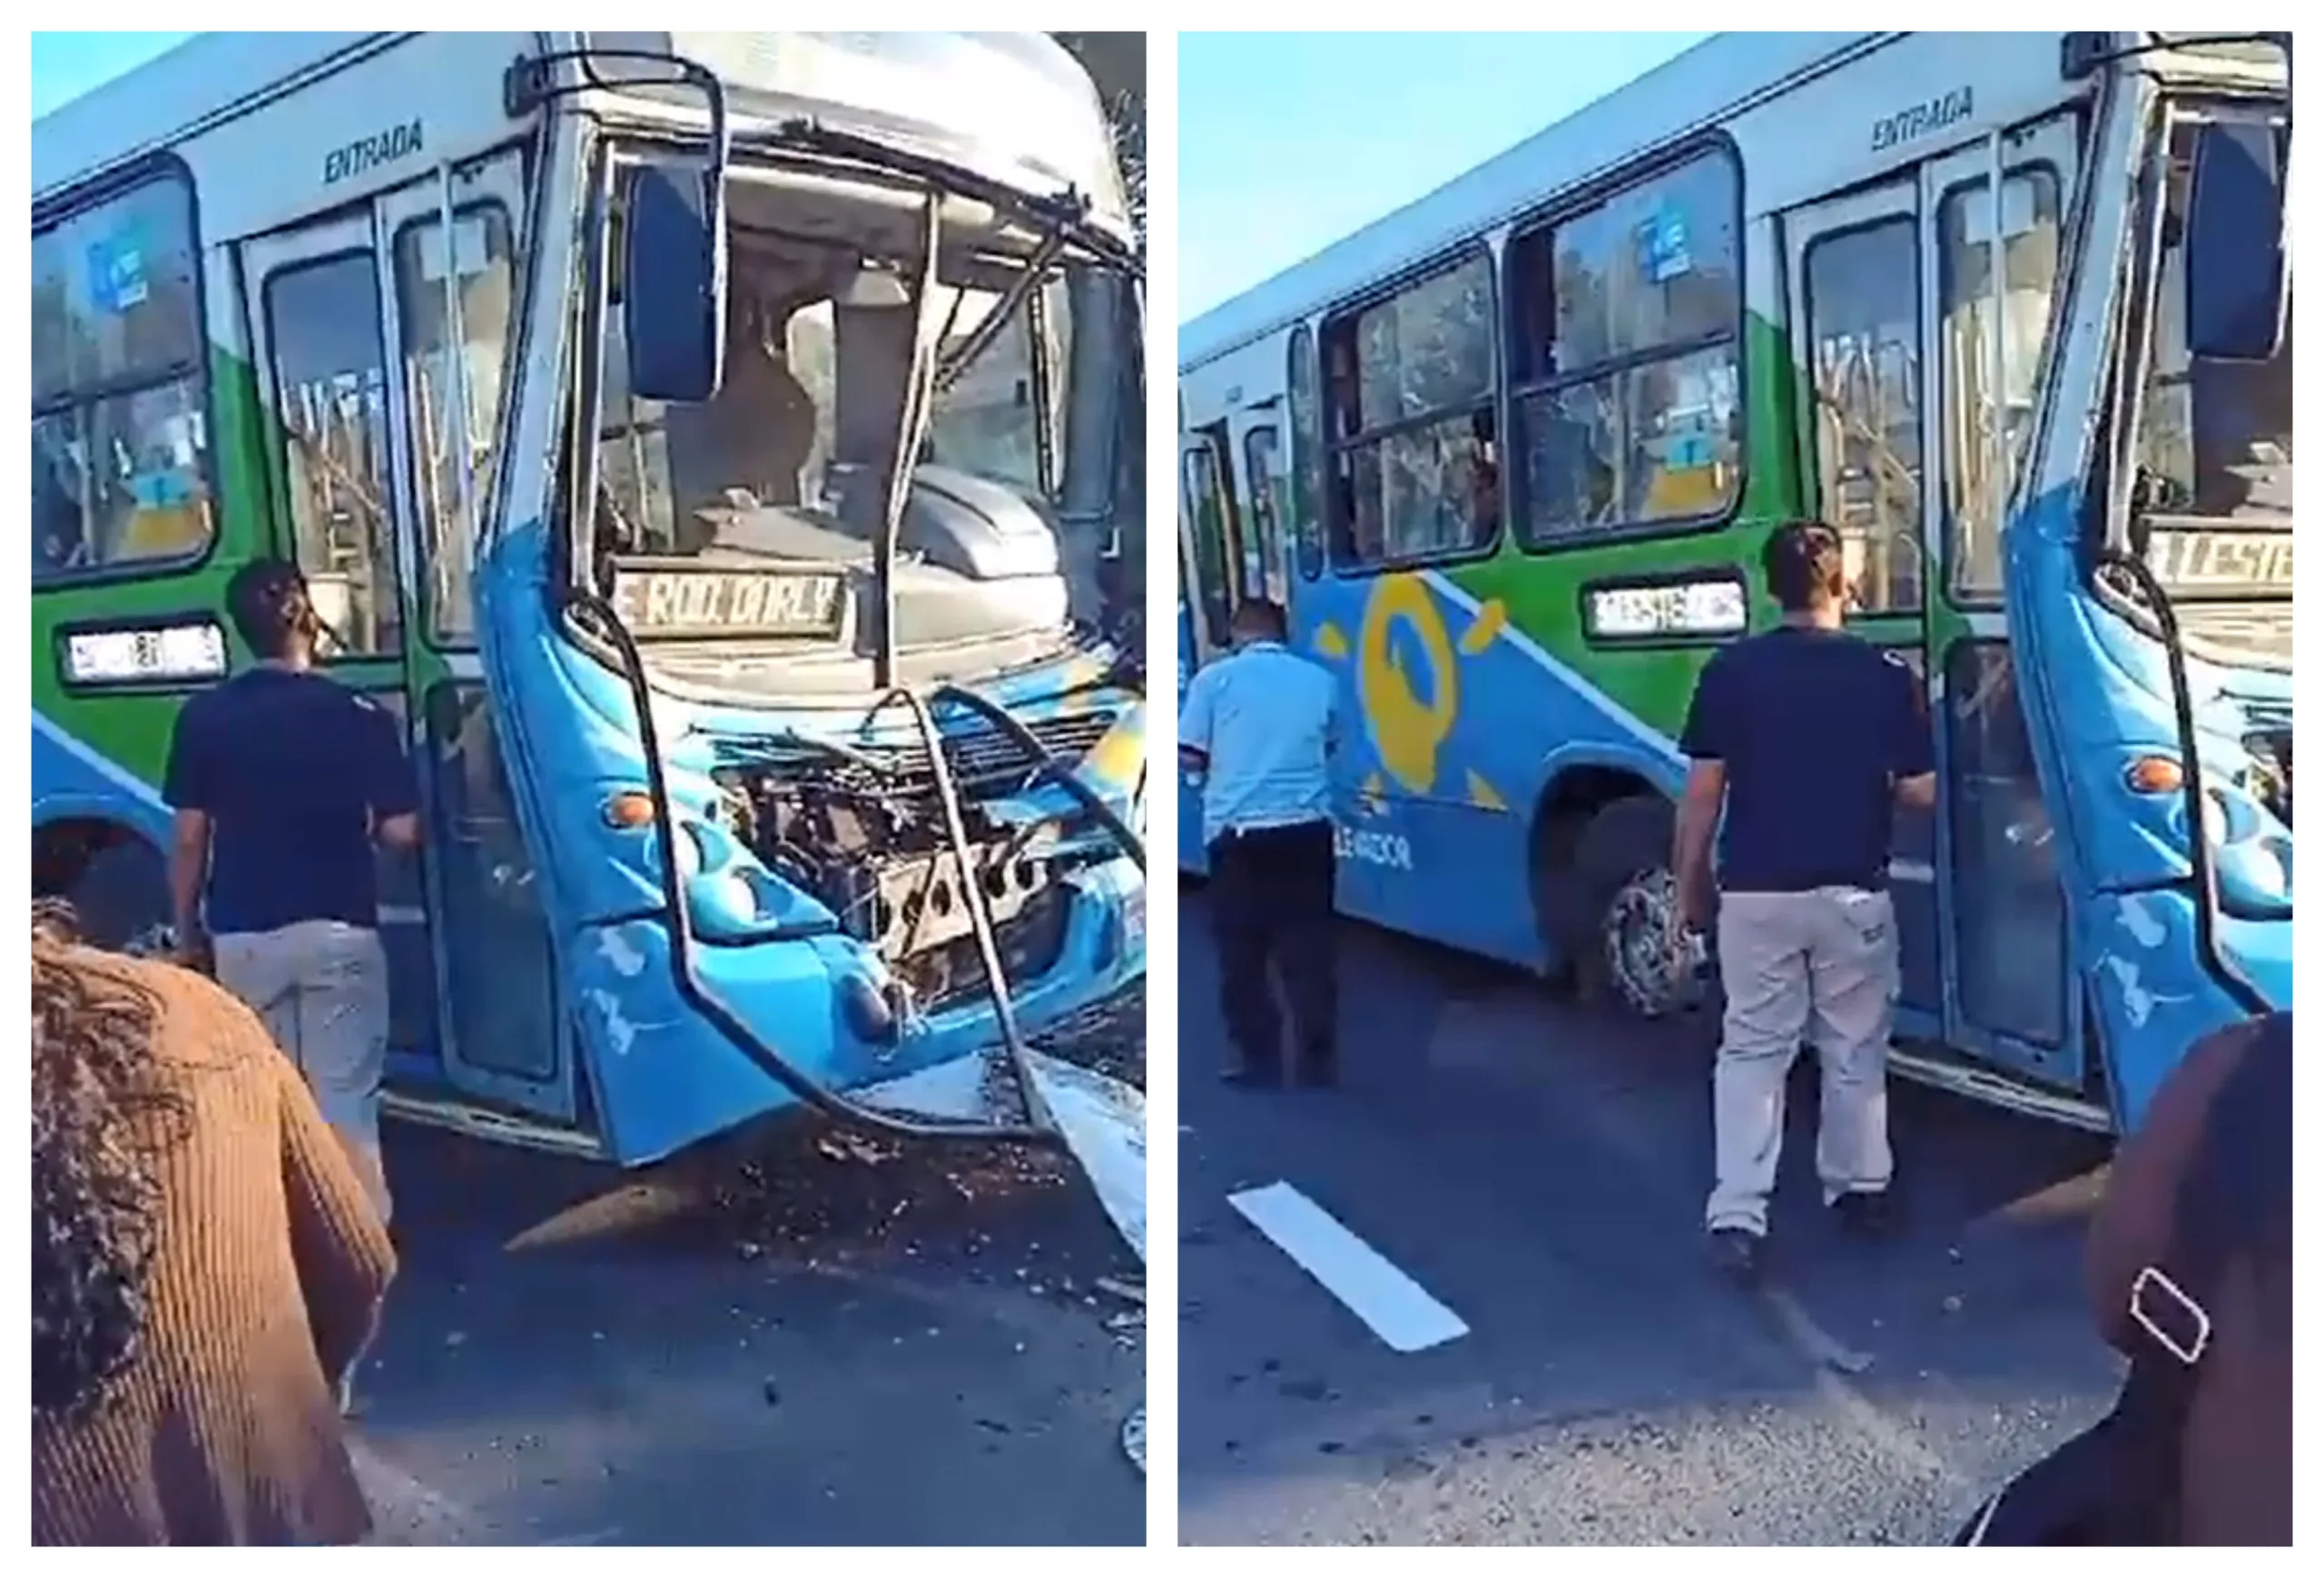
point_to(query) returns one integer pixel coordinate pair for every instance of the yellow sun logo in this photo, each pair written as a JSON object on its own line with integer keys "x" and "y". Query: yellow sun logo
{"x": 1407, "y": 732}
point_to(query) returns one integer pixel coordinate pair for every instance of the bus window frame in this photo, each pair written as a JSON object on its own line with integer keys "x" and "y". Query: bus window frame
{"x": 1916, "y": 225}
{"x": 1573, "y": 204}
{"x": 70, "y": 204}
{"x": 278, "y": 436}
{"x": 481, "y": 498}
{"x": 1268, "y": 491}
{"x": 1492, "y": 400}
{"x": 2061, "y": 199}
{"x": 1304, "y": 444}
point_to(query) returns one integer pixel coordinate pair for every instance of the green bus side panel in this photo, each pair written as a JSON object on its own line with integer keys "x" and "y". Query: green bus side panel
{"x": 1542, "y": 592}
{"x": 133, "y": 731}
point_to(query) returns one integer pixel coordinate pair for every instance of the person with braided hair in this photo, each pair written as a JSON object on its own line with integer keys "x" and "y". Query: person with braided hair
{"x": 207, "y": 1263}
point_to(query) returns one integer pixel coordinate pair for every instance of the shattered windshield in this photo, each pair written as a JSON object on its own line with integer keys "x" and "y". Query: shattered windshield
{"x": 820, "y": 341}
{"x": 2215, "y": 438}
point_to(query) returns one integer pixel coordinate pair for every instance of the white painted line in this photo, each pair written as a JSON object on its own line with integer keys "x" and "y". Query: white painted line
{"x": 1400, "y": 1311}
{"x": 1812, "y": 1341}
{"x": 398, "y": 1499}
{"x": 609, "y": 1535}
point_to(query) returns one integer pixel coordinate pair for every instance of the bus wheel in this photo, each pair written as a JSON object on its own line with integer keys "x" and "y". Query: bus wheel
{"x": 1623, "y": 867}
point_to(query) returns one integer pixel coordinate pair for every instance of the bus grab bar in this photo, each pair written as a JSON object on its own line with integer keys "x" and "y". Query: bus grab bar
{"x": 2202, "y": 867}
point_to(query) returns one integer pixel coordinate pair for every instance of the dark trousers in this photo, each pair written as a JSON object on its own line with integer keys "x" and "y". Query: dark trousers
{"x": 1271, "y": 905}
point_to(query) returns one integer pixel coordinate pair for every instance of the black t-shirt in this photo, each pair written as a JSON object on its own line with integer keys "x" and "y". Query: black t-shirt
{"x": 292, "y": 770}
{"x": 1814, "y": 728}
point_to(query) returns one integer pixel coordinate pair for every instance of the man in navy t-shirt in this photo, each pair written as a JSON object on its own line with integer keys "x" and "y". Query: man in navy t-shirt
{"x": 1809, "y": 738}
{"x": 284, "y": 783}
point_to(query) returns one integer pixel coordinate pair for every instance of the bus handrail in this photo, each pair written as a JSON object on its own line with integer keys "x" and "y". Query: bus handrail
{"x": 2202, "y": 867}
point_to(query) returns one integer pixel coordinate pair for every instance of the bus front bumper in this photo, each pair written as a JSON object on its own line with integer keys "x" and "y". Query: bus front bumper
{"x": 664, "y": 1076}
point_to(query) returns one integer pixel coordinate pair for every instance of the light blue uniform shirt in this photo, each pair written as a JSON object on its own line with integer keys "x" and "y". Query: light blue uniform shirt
{"x": 1263, "y": 716}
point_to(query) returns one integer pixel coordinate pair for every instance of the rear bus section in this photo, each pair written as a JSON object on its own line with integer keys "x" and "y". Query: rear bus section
{"x": 756, "y": 665}
{"x": 1511, "y": 454}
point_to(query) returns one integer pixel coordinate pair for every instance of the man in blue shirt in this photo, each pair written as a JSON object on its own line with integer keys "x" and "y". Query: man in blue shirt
{"x": 1258, "y": 727}
{"x": 1809, "y": 738}
{"x": 284, "y": 782}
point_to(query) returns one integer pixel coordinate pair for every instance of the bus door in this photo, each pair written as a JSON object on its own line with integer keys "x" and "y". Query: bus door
{"x": 1893, "y": 376}
{"x": 1209, "y": 565}
{"x": 349, "y": 330}
{"x": 2010, "y": 992}
{"x": 1259, "y": 492}
{"x": 1855, "y": 269}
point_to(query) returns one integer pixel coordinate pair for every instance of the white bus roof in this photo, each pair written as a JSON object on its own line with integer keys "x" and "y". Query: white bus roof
{"x": 155, "y": 104}
{"x": 1692, "y": 91}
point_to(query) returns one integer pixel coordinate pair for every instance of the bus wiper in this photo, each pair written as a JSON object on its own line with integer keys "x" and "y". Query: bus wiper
{"x": 1068, "y": 210}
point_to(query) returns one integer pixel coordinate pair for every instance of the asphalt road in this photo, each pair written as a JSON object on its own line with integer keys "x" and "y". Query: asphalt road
{"x": 1540, "y": 1171}
{"x": 836, "y": 1345}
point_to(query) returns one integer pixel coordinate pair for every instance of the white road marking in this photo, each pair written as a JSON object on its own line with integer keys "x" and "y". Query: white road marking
{"x": 1399, "y": 1310}
{"x": 611, "y": 1535}
{"x": 396, "y": 1497}
{"x": 1817, "y": 1345}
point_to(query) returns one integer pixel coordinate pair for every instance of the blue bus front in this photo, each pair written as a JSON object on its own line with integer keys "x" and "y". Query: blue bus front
{"x": 890, "y": 512}
{"x": 2149, "y": 569}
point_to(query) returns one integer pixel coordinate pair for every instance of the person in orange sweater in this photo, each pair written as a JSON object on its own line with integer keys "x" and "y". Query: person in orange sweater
{"x": 207, "y": 1264}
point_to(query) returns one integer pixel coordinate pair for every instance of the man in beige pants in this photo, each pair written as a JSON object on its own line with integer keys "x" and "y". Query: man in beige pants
{"x": 1807, "y": 738}
{"x": 284, "y": 782}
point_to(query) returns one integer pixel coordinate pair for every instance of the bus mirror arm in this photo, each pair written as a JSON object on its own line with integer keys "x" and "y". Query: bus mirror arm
{"x": 686, "y": 976}
{"x": 2201, "y": 864}
{"x": 673, "y": 299}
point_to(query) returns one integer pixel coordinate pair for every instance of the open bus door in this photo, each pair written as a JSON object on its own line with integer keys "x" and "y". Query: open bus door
{"x": 1210, "y": 557}
{"x": 1894, "y": 331}
{"x": 1232, "y": 491}
{"x": 1258, "y": 441}
{"x": 349, "y": 320}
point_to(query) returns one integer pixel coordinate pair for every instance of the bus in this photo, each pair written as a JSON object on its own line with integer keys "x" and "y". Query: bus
{"x": 711, "y": 446}
{"x": 2009, "y": 312}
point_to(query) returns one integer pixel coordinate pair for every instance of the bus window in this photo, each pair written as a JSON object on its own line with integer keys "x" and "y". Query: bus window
{"x": 330, "y": 382}
{"x": 120, "y": 441}
{"x": 1625, "y": 358}
{"x": 1306, "y": 449}
{"x": 1263, "y": 568}
{"x": 1409, "y": 394}
{"x": 480, "y": 255}
{"x": 1864, "y": 345}
{"x": 1973, "y": 497}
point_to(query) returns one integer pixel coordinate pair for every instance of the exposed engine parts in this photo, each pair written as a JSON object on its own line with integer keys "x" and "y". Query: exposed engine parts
{"x": 2271, "y": 779}
{"x": 875, "y": 854}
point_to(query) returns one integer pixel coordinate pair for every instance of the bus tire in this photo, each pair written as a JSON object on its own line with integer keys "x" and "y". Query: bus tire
{"x": 1623, "y": 871}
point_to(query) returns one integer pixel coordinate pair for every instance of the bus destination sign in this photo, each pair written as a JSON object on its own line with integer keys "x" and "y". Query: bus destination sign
{"x": 2229, "y": 562}
{"x": 660, "y": 600}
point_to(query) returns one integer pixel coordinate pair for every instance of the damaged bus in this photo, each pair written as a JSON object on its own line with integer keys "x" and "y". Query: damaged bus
{"x": 713, "y": 447}
{"x": 2010, "y": 311}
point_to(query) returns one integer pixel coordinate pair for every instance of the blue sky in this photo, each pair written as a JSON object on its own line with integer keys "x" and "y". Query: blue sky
{"x": 1289, "y": 141}
{"x": 67, "y": 65}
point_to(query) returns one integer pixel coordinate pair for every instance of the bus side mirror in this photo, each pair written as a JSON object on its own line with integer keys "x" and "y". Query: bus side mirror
{"x": 673, "y": 284}
{"x": 2235, "y": 245}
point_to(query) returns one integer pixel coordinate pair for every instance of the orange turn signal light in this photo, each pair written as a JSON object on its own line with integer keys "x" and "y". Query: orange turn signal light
{"x": 2156, "y": 775}
{"x": 629, "y": 809}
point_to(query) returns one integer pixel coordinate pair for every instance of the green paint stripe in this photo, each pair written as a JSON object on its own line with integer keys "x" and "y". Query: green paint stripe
{"x": 133, "y": 731}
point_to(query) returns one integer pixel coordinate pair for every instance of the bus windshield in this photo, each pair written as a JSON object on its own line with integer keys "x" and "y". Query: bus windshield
{"x": 2215, "y": 438}
{"x": 790, "y": 460}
